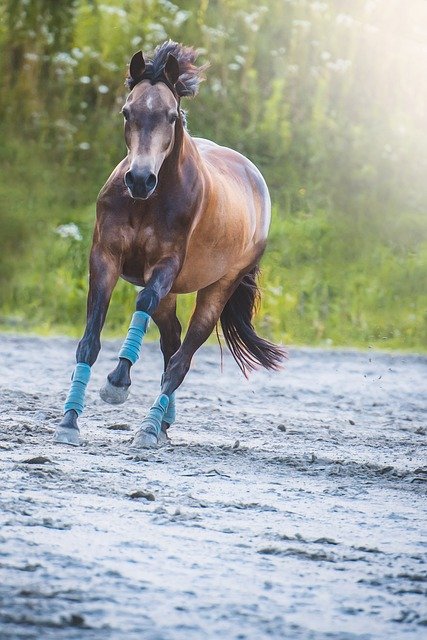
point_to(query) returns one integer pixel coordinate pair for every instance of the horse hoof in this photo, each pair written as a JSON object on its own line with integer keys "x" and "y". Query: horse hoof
{"x": 144, "y": 440}
{"x": 114, "y": 395}
{"x": 64, "y": 435}
{"x": 67, "y": 431}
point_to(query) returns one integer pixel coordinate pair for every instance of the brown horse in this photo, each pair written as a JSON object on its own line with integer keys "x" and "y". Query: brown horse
{"x": 178, "y": 214}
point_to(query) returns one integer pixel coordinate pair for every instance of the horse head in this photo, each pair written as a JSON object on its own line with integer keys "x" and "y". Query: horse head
{"x": 152, "y": 111}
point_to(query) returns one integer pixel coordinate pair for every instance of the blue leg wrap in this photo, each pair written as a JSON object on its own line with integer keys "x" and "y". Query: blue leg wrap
{"x": 131, "y": 347}
{"x": 76, "y": 396}
{"x": 170, "y": 415}
{"x": 153, "y": 422}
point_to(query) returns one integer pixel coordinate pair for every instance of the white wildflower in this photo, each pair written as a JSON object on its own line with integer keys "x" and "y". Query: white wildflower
{"x": 339, "y": 65}
{"x": 70, "y": 230}
{"x": 113, "y": 11}
{"x": 84, "y": 79}
{"x": 250, "y": 20}
{"x": 217, "y": 33}
{"x": 180, "y": 17}
{"x": 65, "y": 126}
{"x": 64, "y": 58}
{"x": 280, "y": 52}
{"x": 84, "y": 146}
{"x": 169, "y": 6}
{"x": 216, "y": 85}
{"x": 32, "y": 57}
{"x": 156, "y": 31}
{"x": 77, "y": 53}
{"x": 103, "y": 88}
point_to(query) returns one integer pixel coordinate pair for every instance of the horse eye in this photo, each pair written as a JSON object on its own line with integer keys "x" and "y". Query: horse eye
{"x": 173, "y": 117}
{"x": 125, "y": 113}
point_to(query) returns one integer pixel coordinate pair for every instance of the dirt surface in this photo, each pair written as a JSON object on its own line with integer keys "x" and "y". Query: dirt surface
{"x": 290, "y": 506}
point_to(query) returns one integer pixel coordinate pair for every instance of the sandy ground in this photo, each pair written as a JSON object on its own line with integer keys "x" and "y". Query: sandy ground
{"x": 290, "y": 506}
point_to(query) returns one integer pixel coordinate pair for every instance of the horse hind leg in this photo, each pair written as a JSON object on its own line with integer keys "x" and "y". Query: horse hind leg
{"x": 209, "y": 305}
{"x": 170, "y": 341}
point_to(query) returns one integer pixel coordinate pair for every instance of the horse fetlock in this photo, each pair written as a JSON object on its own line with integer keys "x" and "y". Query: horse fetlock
{"x": 148, "y": 434}
{"x": 120, "y": 377}
{"x": 170, "y": 414}
{"x": 163, "y": 437}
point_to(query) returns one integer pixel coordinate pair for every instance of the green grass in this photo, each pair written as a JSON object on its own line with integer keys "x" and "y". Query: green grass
{"x": 326, "y": 285}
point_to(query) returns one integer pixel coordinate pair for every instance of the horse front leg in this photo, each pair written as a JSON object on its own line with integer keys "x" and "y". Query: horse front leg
{"x": 117, "y": 386}
{"x": 209, "y": 306}
{"x": 104, "y": 273}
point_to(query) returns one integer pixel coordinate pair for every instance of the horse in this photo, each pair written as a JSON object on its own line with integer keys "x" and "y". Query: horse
{"x": 178, "y": 214}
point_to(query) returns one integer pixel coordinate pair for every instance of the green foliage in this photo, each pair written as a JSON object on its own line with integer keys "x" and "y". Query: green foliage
{"x": 320, "y": 95}
{"x": 320, "y": 292}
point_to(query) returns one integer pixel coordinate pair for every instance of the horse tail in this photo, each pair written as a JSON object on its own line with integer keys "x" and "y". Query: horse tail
{"x": 249, "y": 350}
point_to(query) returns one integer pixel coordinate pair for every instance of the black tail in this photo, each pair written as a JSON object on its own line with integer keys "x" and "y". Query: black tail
{"x": 249, "y": 350}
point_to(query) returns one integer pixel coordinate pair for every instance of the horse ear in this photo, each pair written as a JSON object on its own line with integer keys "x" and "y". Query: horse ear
{"x": 137, "y": 66}
{"x": 171, "y": 69}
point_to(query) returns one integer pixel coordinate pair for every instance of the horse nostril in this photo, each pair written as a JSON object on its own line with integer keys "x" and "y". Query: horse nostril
{"x": 140, "y": 183}
{"x": 150, "y": 182}
{"x": 129, "y": 181}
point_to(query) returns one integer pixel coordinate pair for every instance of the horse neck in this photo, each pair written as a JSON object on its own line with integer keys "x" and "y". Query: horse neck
{"x": 184, "y": 152}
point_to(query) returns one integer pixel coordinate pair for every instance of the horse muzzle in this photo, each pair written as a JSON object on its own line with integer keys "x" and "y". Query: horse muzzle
{"x": 140, "y": 183}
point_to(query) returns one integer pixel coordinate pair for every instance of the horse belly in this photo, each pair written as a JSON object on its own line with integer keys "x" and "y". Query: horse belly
{"x": 228, "y": 238}
{"x": 197, "y": 274}
{"x": 207, "y": 262}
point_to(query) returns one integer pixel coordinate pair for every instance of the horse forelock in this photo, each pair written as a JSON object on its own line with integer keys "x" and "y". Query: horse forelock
{"x": 190, "y": 76}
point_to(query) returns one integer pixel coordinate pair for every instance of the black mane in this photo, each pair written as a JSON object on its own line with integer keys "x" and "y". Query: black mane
{"x": 190, "y": 76}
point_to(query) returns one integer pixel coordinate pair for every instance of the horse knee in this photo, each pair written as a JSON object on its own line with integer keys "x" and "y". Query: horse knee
{"x": 148, "y": 300}
{"x": 88, "y": 349}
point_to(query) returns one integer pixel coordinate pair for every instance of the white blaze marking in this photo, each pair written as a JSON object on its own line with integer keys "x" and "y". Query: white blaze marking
{"x": 149, "y": 102}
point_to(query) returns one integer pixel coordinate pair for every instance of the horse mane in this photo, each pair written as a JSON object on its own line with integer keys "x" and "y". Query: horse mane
{"x": 190, "y": 76}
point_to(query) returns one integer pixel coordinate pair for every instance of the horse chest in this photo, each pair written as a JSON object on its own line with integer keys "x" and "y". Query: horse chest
{"x": 145, "y": 249}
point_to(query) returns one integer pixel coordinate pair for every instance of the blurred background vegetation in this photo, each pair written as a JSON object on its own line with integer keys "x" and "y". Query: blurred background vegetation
{"x": 328, "y": 98}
